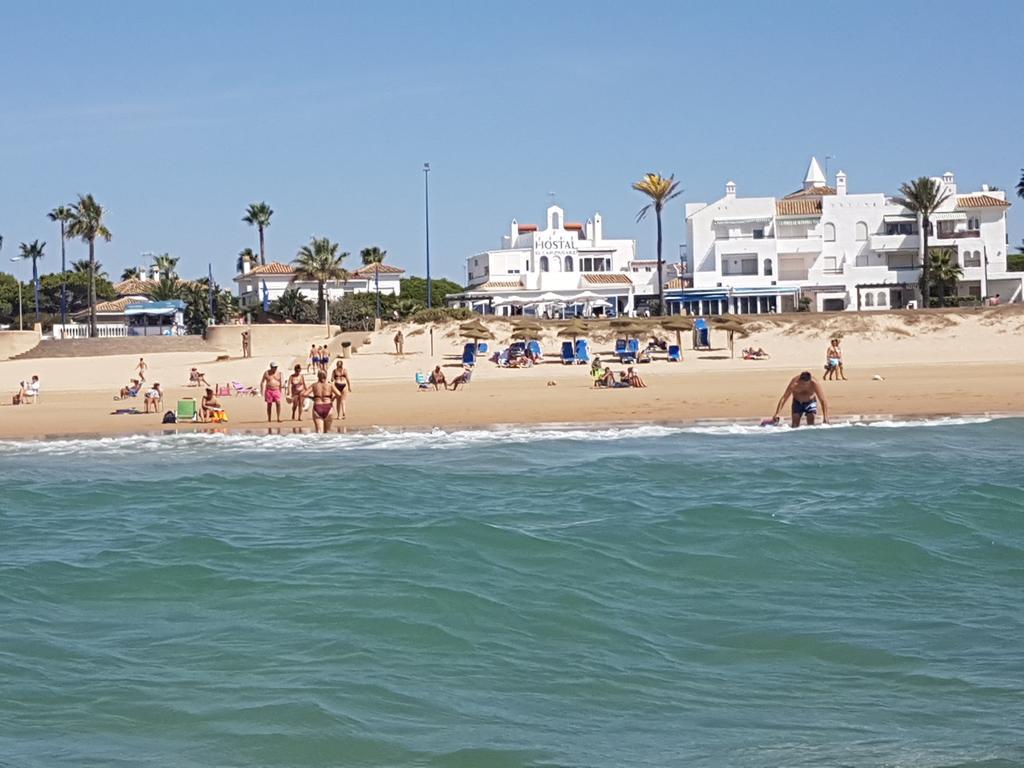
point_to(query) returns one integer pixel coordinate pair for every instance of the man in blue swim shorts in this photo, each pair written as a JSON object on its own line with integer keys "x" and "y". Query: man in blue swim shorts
{"x": 806, "y": 396}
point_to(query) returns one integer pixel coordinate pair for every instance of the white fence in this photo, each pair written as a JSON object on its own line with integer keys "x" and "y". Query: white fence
{"x": 81, "y": 331}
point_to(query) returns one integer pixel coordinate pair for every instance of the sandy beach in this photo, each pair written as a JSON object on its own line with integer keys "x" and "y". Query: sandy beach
{"x": 897, "y": 364}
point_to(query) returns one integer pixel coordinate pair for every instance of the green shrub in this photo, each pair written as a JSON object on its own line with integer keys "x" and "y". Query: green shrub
{"x": 442, "y": 315}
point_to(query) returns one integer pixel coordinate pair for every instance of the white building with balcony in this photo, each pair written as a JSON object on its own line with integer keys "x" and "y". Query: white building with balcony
{"x": 557, "y": 268}
{"x": 840, "y": 250}
{"x": 271, "y": 280}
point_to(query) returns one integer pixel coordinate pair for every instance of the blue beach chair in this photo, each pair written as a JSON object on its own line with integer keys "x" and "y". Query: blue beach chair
{"x": 469, "y": 354}
{"x": 675, "y": 354}
{"x": 533, "y": 347}
{"x": 568, "y": 353}
{"x": 701, "y": 334}
{"x": 582, "y": 351}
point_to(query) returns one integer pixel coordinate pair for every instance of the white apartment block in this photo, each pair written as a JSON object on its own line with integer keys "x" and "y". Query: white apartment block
{"x": 840, "y": 250}
{"x": 557, "y": 267}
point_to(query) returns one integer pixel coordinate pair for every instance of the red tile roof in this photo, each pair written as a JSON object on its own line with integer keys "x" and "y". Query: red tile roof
{"x": 273, "y": 268}
{"x": 807, "y": 206}
{"x": 497, "y": 285}
{"x": 527, "y": 228}
{"x": 573, "y": 225}
{"x": 384, "y": 269}
{"x": 607, "y": 278}
{"x": 812, "y": 192}
{"x": 980, "y": 201}
{"x": 134, "y": 287}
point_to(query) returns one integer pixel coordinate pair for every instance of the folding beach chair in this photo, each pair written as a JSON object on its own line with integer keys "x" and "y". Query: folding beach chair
{"x": 186, "y": 410}
{"x": 469, "y": 354}
{"x": 533, "y": 347}
{"x": 421, "y": 380}
{"x": 582, "y": 351}
{"x": 675, "y": 355}
{"x": 701, "y": 334}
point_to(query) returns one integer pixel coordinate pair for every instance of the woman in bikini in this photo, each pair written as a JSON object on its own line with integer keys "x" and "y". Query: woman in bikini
{"x": 342, "y": 386}
{"x": 323, "y": 393}
{"x": 297, "y": 392}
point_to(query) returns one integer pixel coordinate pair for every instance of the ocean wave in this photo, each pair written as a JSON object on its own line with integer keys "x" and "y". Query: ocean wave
{"x": 433, "y": 439}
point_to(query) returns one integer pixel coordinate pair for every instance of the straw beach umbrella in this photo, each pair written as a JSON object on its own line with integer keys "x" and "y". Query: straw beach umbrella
{"x": 678, "y": 324}
{"x": 574, "y": 330}
{"x": 524, "y": 335}
{"x": 476, "y": 334}
{"x": 732, "y": 328}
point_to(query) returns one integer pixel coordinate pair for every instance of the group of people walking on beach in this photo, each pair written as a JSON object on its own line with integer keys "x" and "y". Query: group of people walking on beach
{"x": 327, "y": 396}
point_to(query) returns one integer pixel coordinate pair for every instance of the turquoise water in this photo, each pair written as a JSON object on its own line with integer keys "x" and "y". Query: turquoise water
{"x": 646, "y": 596}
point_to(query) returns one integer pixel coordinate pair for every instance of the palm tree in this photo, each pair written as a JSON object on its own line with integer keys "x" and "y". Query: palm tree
{"x": 660, "y": 190}
{"x": 258, "y": 215}
{"x": 944, "y": 271}
{"x": 62, "y": 213}
{"x": 131, "y": 273}
{"x": 320, "y": 261}
{"x": 923, "y": 196}
{"x": 1020, "y": 184}
{"x": 34, "y": 251}
{"x": 374, "y": 255}
{"x": 86, "y": 223}
{"x": 166, "y": 265}
{"x": 81, "y": 266}
{"x": 167, "y": 288}
{"x": 244, "y": 255}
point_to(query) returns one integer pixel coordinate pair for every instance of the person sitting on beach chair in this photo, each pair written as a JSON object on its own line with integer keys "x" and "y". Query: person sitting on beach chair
{"x": 437, "y": 378}
{"x": 463, "y": 378}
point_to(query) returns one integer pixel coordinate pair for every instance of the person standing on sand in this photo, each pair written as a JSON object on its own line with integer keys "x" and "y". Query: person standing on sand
{"x": 141, "y": 368}
{"x": 270, "y": 388}
{"x": 806, "y": 394}
{"x": 323, "y": 395}
{"x": 342, "y": 386}
{"x": 834, "y": 361}
{"x": 399, "y": 343}
{"x": 297, "y": 392}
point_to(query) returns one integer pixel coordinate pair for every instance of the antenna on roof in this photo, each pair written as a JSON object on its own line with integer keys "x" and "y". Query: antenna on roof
{"x": 827, "y": 158}
{"x": 553, "y": 197}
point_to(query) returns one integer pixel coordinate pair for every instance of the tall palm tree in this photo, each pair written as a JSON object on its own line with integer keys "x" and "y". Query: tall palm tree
{"x": 923, "y": 196}
{"x": 62, "y": 213}
{"x": 34, "y": 251}
{"x": 945, "y": 271}
{"x": 81, "y": 266}
{"x": 320, "y": 262}
{"x": 166, "y": 265}
{"x": 131, "y": 273}
{"x": 374, "y": 255}
{"x": 258, "y": 215}
{"x": 86, "y": 223}
{"x": 244, "y": 255}
{"x": 1020, "y": 184}
{"x": 660, "y": 190}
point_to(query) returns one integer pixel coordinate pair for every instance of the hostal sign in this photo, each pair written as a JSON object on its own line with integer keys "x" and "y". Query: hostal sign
{"x": 554, "y": 245}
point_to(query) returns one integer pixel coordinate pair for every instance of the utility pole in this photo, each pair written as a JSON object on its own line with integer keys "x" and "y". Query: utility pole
{"x": 426, "y": 210}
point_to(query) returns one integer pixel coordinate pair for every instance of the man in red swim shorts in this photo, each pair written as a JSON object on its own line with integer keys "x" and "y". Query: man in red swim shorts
{"x": 270, "y": 386}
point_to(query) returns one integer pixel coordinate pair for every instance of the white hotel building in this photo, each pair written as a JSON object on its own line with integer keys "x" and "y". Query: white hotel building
{"x": 541, "y": 269}
{"x": 840, "y": 250}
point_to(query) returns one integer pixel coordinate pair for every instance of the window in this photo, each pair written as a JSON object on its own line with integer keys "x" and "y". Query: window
{"x": 568, "y": 263}
{"x": 768, "y": 267}
{"x": 759, "y": 234}
{"x": 861, "y": 232}
{"x": 902, "y": 260}
{"x": 741, "y": 265}
{"x": 900, "y": 228}
{"x": 543, "y": 263}
{"x": 830, "y": 232}
{"x": 883, "y": 299}
{"x": 972, "y": 259}
{"x": 869, "y": 299}
{"x": 556, "y": 220}
{"x": 556, "y": 264}
{"x": 831, "y": 265}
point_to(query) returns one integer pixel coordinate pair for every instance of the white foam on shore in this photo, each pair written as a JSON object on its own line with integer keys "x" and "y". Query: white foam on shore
{"x": 435, "y": 439}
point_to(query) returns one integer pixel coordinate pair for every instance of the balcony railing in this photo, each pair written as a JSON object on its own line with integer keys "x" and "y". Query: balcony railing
{"x": 955, "y": 235}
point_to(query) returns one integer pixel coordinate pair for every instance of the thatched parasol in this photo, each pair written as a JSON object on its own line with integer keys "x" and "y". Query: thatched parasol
{"x": 624, "y": 322}
{"x": 477, "y": 334}
{"x": 632, "y": 328}
{"x": 527, "y": 325}
{"x": 574, "y": 330}
{"x": 732, "y": 328}
{"x": 678, "y": 324}
{"x": 524, "y": 335}
{"x": 474, "y": 323}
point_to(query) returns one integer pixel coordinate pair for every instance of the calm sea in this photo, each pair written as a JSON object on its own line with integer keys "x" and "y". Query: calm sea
{"x": 650, "y": 596}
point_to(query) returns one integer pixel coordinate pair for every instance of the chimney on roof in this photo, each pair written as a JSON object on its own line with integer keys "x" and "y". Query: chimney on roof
{"x": 730, "y": 189}
{"x": 950, "y": 182}
{"x": 598, "y": 231}
{"x": 154, "y": 273}
{"x": 841, "y": 183}
{"x": 246, "y": 265}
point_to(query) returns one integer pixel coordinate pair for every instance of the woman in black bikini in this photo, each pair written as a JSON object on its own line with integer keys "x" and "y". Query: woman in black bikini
{"x": 297, "y": 392}
{"x": 342, "y": 386}
{"x": 323, "y": 393}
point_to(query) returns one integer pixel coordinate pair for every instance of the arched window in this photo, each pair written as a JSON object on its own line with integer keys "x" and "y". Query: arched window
{"x": 862, "y": 232}
{"x": 768, "y": 267}
{"x": 543, "y": 263}
{"x": 568, "y": 263}
{"x": 556, "y": 264}
{"x": 883, "y": 299}
{"x": 556, "y": 220}
{"x": 830, "y": 232}
{"x": 869, "y": 299}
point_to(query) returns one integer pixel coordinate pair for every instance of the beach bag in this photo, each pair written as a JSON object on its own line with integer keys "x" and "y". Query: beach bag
{"x": 170, "y": 418}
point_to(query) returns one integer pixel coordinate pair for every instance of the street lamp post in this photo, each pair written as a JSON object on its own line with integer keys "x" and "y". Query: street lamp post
{"x": 426, "y": 212}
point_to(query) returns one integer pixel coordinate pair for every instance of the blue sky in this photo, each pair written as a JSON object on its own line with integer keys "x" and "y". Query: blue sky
{"x": 177, "y": 115}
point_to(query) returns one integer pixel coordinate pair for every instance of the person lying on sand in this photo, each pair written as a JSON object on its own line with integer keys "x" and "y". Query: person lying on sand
{"x": 755, "y": 354}
{"x": 806, "y": 394}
